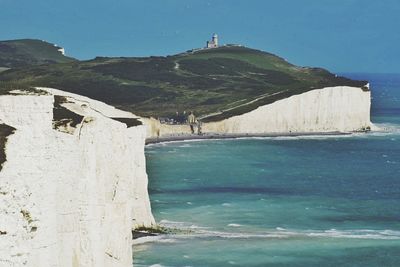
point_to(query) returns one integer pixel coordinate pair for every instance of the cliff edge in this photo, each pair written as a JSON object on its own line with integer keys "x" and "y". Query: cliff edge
{"x": 72, "y": 184}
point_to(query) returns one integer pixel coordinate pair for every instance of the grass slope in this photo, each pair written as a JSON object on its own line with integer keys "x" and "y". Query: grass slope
{"x": 18, "y": 53}
{"x": 223, "y": 81}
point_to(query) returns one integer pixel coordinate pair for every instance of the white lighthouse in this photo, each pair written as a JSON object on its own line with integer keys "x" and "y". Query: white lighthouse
{"x": 214, "y": 41}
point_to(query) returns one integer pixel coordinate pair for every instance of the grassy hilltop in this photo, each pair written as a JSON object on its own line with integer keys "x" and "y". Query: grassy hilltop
{"x": 25, "y": 52}
{"x": 216, "y": 83}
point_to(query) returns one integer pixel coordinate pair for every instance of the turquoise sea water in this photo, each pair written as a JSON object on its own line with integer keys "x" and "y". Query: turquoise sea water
{"x": 311, "y": 201}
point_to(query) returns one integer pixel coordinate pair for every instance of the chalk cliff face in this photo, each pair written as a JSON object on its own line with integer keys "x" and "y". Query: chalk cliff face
{"x": 325, "y": 110}
{"x": 72, "y": 174}
{"x": 330, "y": 109}
{"x": 72, "y": 188}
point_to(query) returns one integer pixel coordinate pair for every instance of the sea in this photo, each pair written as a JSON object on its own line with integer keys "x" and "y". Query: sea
{"x": 283, "y": 201}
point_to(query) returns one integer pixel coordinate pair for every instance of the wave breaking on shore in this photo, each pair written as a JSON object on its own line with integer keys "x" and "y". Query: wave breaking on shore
{"x": 191, "y": 231}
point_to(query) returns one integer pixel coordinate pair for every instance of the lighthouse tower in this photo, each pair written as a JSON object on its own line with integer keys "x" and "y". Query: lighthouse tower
{"x": 214, "y": 42}
{"x": 214, "y": 39}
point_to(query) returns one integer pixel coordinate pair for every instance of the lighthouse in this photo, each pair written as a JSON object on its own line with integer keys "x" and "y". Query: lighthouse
{"x": 214, "y": 39}
{"x": 214, "y": 42}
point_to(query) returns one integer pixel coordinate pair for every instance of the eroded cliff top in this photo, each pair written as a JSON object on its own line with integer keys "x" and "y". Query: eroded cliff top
{"x": 217, "y": 83}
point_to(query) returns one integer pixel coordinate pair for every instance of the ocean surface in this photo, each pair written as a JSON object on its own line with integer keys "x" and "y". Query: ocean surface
{"x": 289, "y": 201}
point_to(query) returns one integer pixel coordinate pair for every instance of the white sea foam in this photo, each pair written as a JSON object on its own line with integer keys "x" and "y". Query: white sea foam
{"x": 277, "y": 137}
{"x": 181, "y": 225}
{"x": 283, "y": 233}
{"x": 278, "y": 233}
{"x": 186, "y": 145}
{"x": 186, "y": 141}
{"x": 193, "y": 226}
{"x": 385, "y": 129}
{"x": 146, "y": 239}
{"x": 166, "y": 240}
{"x": 234, "y": 225}
{"x": 298, "y": 137}
{"x": 175, "y": 223}
{"x": 358, "y": 234}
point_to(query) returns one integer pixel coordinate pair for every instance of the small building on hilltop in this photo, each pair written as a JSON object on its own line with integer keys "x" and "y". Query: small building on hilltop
{"x": 214, "y": 42}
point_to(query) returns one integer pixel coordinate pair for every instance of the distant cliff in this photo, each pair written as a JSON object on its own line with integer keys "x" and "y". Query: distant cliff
{"x": 342, "y": 109}
{"x": 28, "y": 52}
{"x": 73, "y": 183}
{"x": 330, "y": 109}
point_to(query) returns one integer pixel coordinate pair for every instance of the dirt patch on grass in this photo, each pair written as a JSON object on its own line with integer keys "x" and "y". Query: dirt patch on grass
{"x": 63, "y": 118}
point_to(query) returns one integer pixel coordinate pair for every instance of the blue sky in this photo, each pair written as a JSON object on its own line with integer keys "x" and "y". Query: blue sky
{"x": 340, "y": 35}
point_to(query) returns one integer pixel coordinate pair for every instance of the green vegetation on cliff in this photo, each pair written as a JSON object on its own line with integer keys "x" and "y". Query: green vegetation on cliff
{"x": 224, "y": 81}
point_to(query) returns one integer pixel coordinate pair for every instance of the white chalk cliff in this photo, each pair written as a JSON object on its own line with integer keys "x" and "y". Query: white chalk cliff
{"x": 71, "y": 191}
{"x": 70, "y": 196}
{"x": 330, "y": 109}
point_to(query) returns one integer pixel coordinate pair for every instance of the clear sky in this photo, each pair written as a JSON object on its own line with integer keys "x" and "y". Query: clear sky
{"x": 341, "y": 35}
